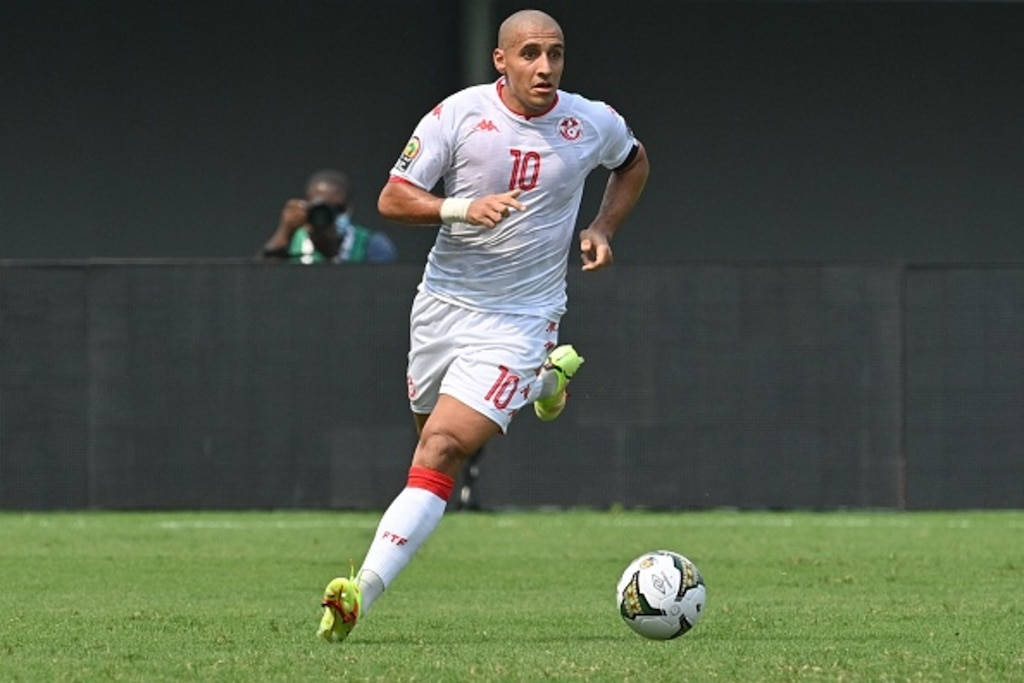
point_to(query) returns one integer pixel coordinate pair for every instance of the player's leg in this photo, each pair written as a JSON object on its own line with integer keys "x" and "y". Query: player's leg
{"x": 471, "y": 372}
{"x": 448, "y": 438}
{"x": 466, "y": 498}
{"x": 482, "y": 388}
{"x": 346, "y": 599}
{"x": 560, "y": 367}
{"x": 452, "y": 433}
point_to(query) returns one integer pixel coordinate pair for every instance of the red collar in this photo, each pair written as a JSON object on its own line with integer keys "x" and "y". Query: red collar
{"x": 501, "y": 86}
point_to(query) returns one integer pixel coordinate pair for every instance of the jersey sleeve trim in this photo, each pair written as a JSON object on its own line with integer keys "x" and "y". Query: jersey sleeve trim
{"x": 399, "y": 179}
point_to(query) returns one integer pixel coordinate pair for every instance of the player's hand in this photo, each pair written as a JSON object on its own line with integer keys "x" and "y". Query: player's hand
{"x": 490, "y": 210}
{"x": 595, "y": 249}
{"x": 293, "y": 215}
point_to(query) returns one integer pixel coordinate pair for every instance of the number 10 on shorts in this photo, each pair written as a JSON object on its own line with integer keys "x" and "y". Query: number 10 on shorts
{"x": 504, "y": 388}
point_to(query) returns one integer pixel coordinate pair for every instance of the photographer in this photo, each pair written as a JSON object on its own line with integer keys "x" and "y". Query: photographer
{"x": 319, "y": 228}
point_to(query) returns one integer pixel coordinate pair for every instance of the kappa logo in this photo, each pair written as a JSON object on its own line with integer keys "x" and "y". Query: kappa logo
{"x": 570, "y": 128}
{"x": 486, "y": 125}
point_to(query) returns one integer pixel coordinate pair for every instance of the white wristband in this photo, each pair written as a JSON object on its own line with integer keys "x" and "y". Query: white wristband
{"x": 454, "y": 210}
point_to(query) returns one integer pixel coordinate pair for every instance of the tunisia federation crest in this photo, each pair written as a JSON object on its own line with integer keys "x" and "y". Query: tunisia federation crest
{"x": 570, "y": 128}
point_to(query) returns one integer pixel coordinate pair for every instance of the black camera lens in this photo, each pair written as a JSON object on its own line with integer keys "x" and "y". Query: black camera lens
{"x": 321, "y": 215}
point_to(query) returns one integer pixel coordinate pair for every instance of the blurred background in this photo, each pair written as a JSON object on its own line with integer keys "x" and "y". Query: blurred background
{"x": 819, "y": 301}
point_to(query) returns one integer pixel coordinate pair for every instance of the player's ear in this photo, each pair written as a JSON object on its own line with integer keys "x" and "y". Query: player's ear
{"x": 499, "y": 60}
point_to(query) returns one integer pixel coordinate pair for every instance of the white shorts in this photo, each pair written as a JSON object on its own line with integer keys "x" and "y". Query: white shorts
{"x": 489, "y": 361}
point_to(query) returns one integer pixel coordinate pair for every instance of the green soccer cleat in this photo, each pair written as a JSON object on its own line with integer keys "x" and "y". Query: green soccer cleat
{"x": 562, "y": 363}
{"x": 341, "y": 609}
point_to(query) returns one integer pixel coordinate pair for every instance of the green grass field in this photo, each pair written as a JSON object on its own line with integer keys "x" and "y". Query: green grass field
{"x": 512, "y": 596}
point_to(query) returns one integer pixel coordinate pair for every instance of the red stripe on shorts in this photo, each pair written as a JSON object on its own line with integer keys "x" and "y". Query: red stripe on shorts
{"x": 438, "y": 483}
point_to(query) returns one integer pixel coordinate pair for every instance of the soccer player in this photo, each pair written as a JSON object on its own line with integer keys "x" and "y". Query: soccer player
{"x": 514, "y": 156}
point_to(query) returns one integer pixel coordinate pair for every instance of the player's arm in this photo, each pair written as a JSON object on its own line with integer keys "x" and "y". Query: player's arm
{"x": 625, "y": 185}
{"x": 404, "y": 202}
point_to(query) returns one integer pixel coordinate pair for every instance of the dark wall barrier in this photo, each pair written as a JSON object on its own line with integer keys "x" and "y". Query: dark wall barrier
{"x": 723, "y": 385}
{"x": 965, "y": 387}
{"x": 232, "y": 385}
{"x": 44, "y": 388}
{"x": 203, "y": 385}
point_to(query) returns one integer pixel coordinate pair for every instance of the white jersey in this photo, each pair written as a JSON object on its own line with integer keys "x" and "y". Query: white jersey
{"x": 479, "y": 147}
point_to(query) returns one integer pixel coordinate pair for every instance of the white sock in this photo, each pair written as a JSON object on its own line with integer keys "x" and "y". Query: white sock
{"x": 547, "y": 384}
{"x": 370, "y": 588}
{"x": 406, "y": 524}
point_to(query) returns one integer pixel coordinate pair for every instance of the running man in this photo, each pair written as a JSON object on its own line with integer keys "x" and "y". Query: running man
{"x": 513, "y": 156}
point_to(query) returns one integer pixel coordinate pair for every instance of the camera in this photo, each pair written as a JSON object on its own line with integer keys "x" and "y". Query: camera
{"x": 321, "y": 215}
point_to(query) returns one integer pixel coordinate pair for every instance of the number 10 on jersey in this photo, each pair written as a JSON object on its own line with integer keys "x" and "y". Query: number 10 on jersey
{"x": 525, "y": 169}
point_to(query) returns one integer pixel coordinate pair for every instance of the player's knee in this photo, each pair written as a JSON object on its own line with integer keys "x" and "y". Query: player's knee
{"x": 440, "y": 449}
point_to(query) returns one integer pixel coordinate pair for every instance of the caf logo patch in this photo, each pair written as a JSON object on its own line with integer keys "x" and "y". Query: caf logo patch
{"x": 409, "y": 154}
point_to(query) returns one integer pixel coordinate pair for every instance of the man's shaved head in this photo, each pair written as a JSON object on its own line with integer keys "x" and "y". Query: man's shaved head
{"x": 531, "y": 56}
{"x": 525, "y": 20}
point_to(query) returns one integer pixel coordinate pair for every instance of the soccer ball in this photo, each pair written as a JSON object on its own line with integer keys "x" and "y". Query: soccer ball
{"x": 661, "y": 595}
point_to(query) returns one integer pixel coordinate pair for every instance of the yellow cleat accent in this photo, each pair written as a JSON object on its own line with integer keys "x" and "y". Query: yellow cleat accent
{"x": 341, "y": 603}
{"x": 564, "y": 362}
